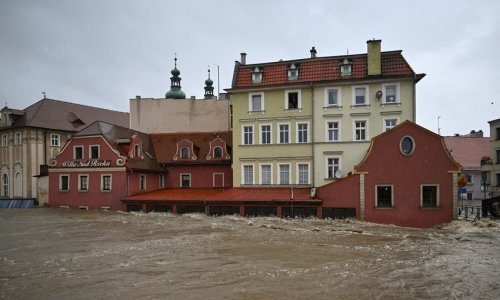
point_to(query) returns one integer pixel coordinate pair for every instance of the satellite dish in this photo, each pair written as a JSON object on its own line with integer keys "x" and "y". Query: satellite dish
{"x": 338, "y": 174}
{"x": 379, "y": 94}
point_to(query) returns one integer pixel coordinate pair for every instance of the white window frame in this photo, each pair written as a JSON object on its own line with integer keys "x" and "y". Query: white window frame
{"x": 78, "y": 147}
{"x": 250, "y": 103}
{"x": 298, "y": 172}
{"x": 298, "y": 133}
{"x": 55, "y": 140}
{"x": 142, "y": 182}
{"x": 392, "y": 195}
{"x": 180, "y": 180}
{"x": 161, "y": 181}
{"x": 327, "y": 166}
{"x": 261, "y": 174}
{"x": 221, "y": 152}
{"x": 261, "y": 141}
{"x": 110, "y": 182}
{"x": 327, "y": 130}
{"x": 5, "y": 140}
{"x": 438, "y": 202}
{"x": 18, "y": 138}
{"x": 257, "y": 75}
{"x": 243, "y": 140}
{"x": 339, "y": 96}
{"x": 384, "y": 124}
{"x": 367, "y": 95}
{"x": 137, "y": 150}
{"x": 243, "y": 174}
{"x": 60, "y": 182}
{"x": 289, "y": 173}
{"x": 185, "y": 154}
{"x": 397, "y": 94}
{"x": 5, "y": 185}
{"x": 299, "y": 100}
{"x": 98, "y": 151}
{"x": 367, "y": 136}
{"x": 279, "y": 135}
{"x": 80, "y": 176}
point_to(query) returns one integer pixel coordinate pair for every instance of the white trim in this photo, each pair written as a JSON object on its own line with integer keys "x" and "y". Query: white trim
{"x": 243, "y": 134}
{"x": 180, "y": 179}
{"x": 338, "y": 129}
{"x": 270, "y": 133}
{"x": 98, "y": 151}
{"x": 367, "y": 133}
{"x": 367, "y": 95}
{"x": 289, "y": 173}
{"x": 80, "y": 182}
{"x": 60, "y": 182}
{"x": 438, "y": 202}
{"x": 326, "y": 165}
{"x": 58, "y": 138}
{"x": 243, "y": 174}
{"x": 392, "y": 195}
{"x": 141, "y": 188}
{"x": 297, "y": 175}
{"x": 213, "y": 178}
{"x": 299, "y": 100}
{"x": 278, "y": 136}
{"x": 110, "y": 182}
{"x": 260, "y": 173}
{"x": 5, "y": 140}
{"x": 398, "y": 94}
{"x": 18, "y": 138}
{"x": 161, "y": 181}
{"x": 297, "y": 133}
{"x": 250, "y": 104}
{"x": 74, "y": 151}
{"x": 384, "y": 126}
{"x": 339, "y": 96}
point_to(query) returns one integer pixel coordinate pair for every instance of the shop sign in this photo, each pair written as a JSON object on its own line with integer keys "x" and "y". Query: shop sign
{"x": 86, "y": 163}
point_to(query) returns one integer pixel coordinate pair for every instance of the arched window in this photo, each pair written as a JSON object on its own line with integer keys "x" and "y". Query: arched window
{"x": 218, "y": 152}
{"x": 137, "y": 151}
{"x": 185, "y": 153}
{"x": 5, "y": 185}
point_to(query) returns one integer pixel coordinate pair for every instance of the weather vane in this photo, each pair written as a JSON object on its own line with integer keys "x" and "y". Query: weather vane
{"x": 44, "y": 95}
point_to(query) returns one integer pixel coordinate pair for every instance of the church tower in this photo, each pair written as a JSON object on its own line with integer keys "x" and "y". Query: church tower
{"x": 209, "y": 89}
{"x": 175, "y": 85}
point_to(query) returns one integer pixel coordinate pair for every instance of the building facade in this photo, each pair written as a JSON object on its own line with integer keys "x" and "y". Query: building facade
{"x": 101, "y": 164}
{"x": 490, "y": 166}
{"x": 30, "y": 137}
{"x": 308, "y": 122}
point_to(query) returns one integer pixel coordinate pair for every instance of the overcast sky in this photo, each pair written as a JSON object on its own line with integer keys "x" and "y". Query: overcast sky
{"x": 103, "y": 53}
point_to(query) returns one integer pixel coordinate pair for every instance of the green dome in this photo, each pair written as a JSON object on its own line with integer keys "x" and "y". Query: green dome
{"x": 179, "y": 94}
{"x": 175, "y": 71}
{"x": 209, "y": 82}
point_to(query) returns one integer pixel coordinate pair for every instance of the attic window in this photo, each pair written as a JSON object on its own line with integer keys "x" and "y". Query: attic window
{"x": 345, "y": 68}
{"x": 185, "y": 153}
{"x": 293, "y": 72}
{"x": 256, "y": 75}
{"x": 137, "y": 150}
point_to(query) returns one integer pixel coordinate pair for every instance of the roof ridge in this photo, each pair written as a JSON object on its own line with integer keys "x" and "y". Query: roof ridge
{"x": 85, "y": 105}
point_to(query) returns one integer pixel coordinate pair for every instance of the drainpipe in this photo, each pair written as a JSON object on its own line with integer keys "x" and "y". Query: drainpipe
{"x": 312, "y": 138}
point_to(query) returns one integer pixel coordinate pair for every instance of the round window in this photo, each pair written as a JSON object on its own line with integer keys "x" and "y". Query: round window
{"x": 407, "y": 145}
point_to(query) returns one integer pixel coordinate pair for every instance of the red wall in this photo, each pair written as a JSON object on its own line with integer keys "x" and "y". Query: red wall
{"x": 429, "y": 164}
{"x": 343, "y": 193}
{"x": 201, "y": 175}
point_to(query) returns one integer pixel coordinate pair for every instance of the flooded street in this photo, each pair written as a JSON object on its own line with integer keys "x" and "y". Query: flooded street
{"x": 71, "y": 254}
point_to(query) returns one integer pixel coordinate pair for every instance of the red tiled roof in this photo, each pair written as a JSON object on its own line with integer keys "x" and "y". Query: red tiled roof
{"x": 322, "y": 70}
{"x": 231, "y": 194}
{"x": 165, "y": 145}
{"x": 468, "y": 151}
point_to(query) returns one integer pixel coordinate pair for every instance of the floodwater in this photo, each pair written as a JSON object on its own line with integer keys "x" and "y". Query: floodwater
{"x": 71, "y": 254}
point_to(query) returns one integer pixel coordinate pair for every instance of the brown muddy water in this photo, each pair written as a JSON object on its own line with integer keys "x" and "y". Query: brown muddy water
{"x": 71, "y": 254}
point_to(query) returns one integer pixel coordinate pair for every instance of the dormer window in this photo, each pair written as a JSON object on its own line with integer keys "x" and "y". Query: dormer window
{"x": 218, "y": 152}
{"x": 137, "y": 150}
{"x": 293, "y": 72}
{"x": 345, "y": 68}
{"x": 185, "y": 153}
{"x": 257, "y": 75}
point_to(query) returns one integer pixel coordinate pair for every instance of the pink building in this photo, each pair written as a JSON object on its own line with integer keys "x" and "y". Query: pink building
{"x": 101, "y": 164}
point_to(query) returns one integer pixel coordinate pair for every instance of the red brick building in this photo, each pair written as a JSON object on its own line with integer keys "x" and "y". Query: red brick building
{"x": 101, "y": 164}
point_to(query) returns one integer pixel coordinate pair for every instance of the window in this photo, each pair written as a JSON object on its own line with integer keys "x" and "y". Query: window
{"x": 284, "y": 175}
{"x": 360, "y": 95}
{"x": 293, "y": 72}
{"x": 390, "y": 94}
{"x": 407, "y": 145}
{"x": 292, "y": 100}
{"x": 332, "y": 166}
{"x": 17, "y": 138}
{"x": 302, "y": 132}
{"x": 345, "y": 68}
{"x": 332, "y": 131}
{"x": 390, "y": 123}
{"x": 497, "y": 133}
{"x": 469, "y": 195}
{"x": 332, "y": 97}
{"x": 498, "y": 179}
{"x": 384, "y": 196}
{"x": 303, "y": 173}
{"x": 256, "y": 102}
{"x": 78, "y": 152}
{"x": 284, "y": 133}
{"x": 247, "y": 135}
{"x": 257, "y": 75}
{"x": 142, "y": 182}
{"x": 161, "y": 183}
{"x": 265, "y": 134}
{"x": 360, "y": 131}
{"x": 185, "y": 152}
{"x": 64, "y": 182}
{"x": 247, "y": 174}
{"x": 106, "y": 183}
{"x": 429, "y": 195}
{"x": 54, "y": 140}
{"x": 497, "y": 152}
{"x": 5, "y": 140}
{"x": 83, "y": 183}
{"x": 218, "y": 152}
{"x": 137, "y": 150}
{"x": 94, "y": 152}
{"x": 5, "y": 185}
{"x": 266, "y": 174}
{"x": 185, "y": 180}
{"x": 469, "y": 178}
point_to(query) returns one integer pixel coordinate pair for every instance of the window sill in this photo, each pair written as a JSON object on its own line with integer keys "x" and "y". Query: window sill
{"x": 385, "y": 208}
{"x": 398, "y": 104}
{"x": 293, "y": 110}
{"x": 83, "y": 191}
{"x": 106, "y": 191}
{"x": 253, "y": 112}
{"x": 333, "y": 107}
{"x": 430, "y": 208}
{"x": 360, "y": 106}
{"x": 63, "y": 191}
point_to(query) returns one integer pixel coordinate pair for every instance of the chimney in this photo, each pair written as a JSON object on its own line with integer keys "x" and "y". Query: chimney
{"x": 313, "y": 52}
{"x": 374, "y": 57}
{"x": 243, "y": 59}
{"x": 138, "y": 97}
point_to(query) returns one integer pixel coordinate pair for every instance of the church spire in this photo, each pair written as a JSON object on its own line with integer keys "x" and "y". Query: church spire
{"x": 209, "y": 89}
{"x": 175, "y": 84}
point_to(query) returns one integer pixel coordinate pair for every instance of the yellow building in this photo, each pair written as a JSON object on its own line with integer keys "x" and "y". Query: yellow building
{"x": 309, "y": 121}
